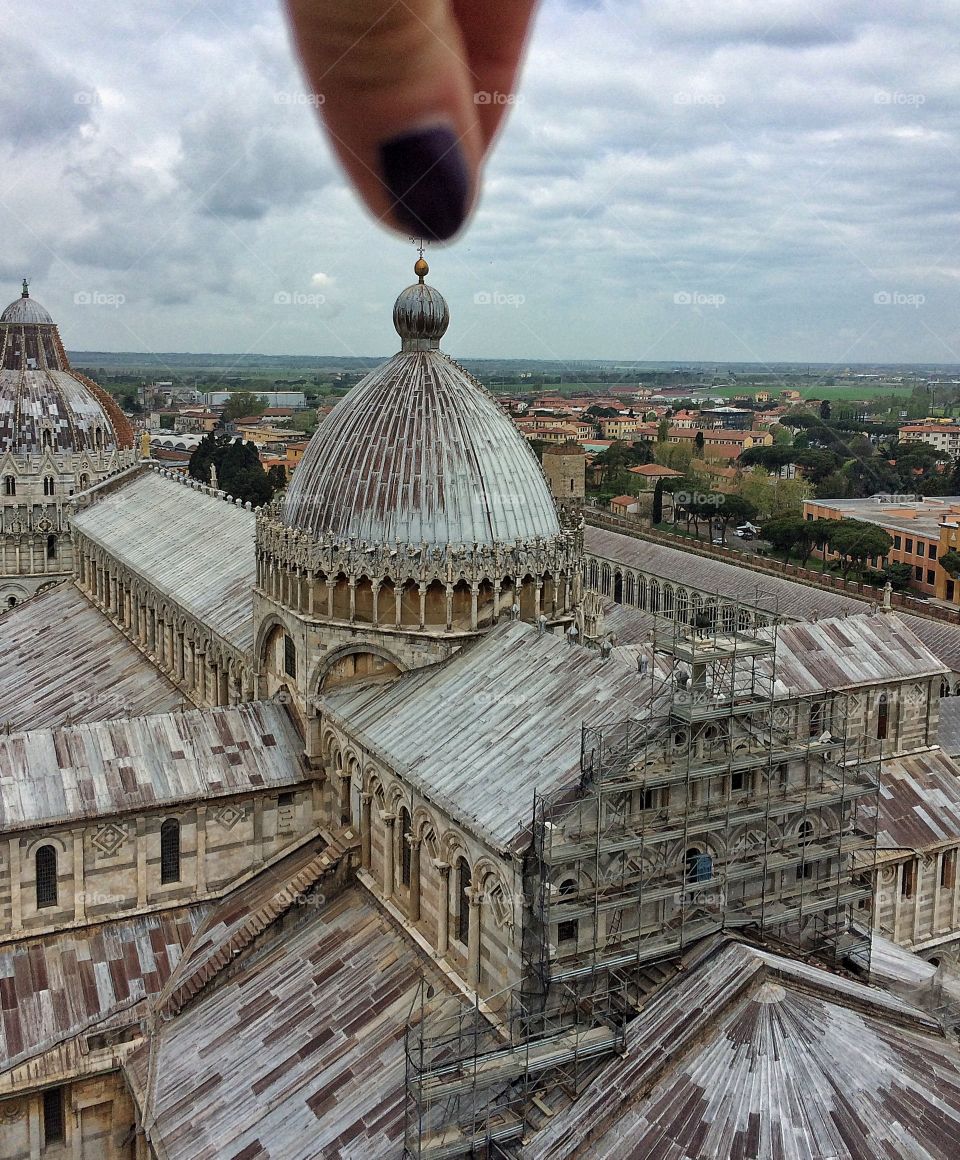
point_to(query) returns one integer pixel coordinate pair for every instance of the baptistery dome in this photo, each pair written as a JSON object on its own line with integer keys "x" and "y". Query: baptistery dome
{"x": 419, "y": 452}
{"x": 44, "y": 405}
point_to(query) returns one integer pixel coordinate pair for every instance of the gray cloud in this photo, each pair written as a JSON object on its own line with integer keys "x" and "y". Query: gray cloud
{"x": 795, "y": 160}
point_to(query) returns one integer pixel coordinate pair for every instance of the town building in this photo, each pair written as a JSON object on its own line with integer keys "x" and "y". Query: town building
{"x": 922, "y": 530}
{"x": 940, "y": 434}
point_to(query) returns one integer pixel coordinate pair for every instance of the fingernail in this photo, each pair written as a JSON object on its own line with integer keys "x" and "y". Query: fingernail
{"x": 426, "y": 175}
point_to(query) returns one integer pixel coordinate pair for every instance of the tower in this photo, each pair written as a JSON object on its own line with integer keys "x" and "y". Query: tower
{"x": 60, "y": 434}
{"x": 418, "y": 518}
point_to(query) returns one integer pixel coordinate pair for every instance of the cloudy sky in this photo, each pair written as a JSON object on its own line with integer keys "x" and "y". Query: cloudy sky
{"x": 680, "y": 180}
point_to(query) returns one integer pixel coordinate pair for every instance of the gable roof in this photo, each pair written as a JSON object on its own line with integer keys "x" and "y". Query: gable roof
{"x": 191, "y": 546}
{"x": 480, "y": 733}
{"x": 62, "y": 660}
{"x": 110, "y": 767}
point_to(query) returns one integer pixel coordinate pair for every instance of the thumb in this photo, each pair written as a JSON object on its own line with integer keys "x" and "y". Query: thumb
{"x": 396, "y": 96}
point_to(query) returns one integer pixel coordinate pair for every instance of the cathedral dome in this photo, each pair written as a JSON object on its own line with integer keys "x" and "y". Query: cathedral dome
{"x": 44, "y": 405}
{"x": 419, "y": 452}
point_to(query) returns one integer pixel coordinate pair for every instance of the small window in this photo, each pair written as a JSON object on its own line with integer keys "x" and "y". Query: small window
{"x": 699, "y": 866}
{"x": 405, "y": 850}
{"x": 649, "y": 799}
{"x": 51, "y": 547}
{"x": 463, "y": 904}
{"x": 46, "y": 868}
{"x": 897, "y": 543}
{"x": 806, "y": 834}
{"x": 289, "y": 656}
{"x": 738, "y": 781}
{"x": 816, "y": 718}
{"x": 917, "y": 572}
{"x": 883, "y": 711}
{"x": 49, "y": 485}
{"x": 53, "y": 1117}
{"x": 932, "y": 551}
{"x": 948, "y": 869}
{"x": 930, "y": 576}
{"x": 569, "y": 929}
{"x": 170, "y": 851}
{"x": 908, "y": 883}
{"x": 285, "y": 799}
{"x": 9, "y": 485}
{"x": 909, "y": 545}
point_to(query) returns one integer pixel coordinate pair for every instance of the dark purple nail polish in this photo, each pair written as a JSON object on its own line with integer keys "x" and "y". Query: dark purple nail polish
{"x": 426, "y": 175}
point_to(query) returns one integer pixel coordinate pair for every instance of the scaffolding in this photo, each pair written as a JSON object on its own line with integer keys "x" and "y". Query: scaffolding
{"x": 732, "y": 806}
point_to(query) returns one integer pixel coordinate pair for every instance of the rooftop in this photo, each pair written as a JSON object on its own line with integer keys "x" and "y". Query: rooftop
{"x": 481, "y": 732}
{"x": 111, "y": 767}
{"x": 62, "y": 661}
{"x": 922, "y": 517}
{"x": 298, "y": 1052}
{"x": 787, "y": 598}
{"x": 190, "y": 545}
{"x": 749, "y": 1054}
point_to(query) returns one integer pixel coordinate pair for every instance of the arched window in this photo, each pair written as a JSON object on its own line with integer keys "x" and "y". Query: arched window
{"x": 667, "y": 600}
{"x": 11, "y": 602}
{"x": 405, "y": 834}
{"x": 699, "y": 866}
{"x": 944, "y": 687}
{"x": 9, "y": 485}
{"x": 46, "y": 869}
{"x": 49, "y": 485}
{"x": 51, "y": 547}
{"x": 654, "y": 596}
{"x": 605, "y": 579}
{"x": 567, "y": 929}
{"x": 641, "y": 592}
{"x": 84, "y": 482}
{"x": 883, "y": 711}
{"x": 629, "y": 589}
{"x": 289, "y": 656}
{"x": 617, "y": 588}
{"x": 463, "y": 904}
{"x": 806, "y": 835}
{"x": 170, "y": 851}
{"x": 46, "y": 439}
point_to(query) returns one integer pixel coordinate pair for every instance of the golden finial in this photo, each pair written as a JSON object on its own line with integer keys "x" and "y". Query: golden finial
{"x": 421, "y": 269}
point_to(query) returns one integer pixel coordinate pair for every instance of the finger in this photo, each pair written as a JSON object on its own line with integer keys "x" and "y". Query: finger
{"x": 494, "y": 34}
{"x": 396, "y": 98}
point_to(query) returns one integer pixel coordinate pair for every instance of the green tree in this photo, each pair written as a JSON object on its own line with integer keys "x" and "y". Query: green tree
{"x": 657, "y": 513}
{"x": 950, "y": 563}
{"x": 825, "y": 410}
{"x": 857, "y": 541}
{"x": 663, "y": 430}
{"x": 239, "y": 471}
{"x": 242, "y": 403}
{"x": 698, "y": 444}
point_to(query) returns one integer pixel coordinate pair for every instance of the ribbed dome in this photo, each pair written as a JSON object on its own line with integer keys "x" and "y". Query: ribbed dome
{"x": 43, "y": 403}
{"x": 420, "y": 452}
{"x": 421, "y": 317}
